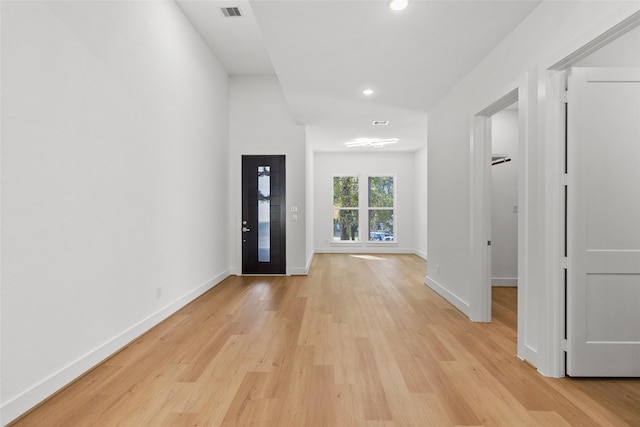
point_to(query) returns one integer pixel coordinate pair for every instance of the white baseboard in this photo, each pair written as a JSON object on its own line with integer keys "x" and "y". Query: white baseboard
{"x": 421, "y": 254}
{"x": 504, "y": 281}
{"x": 530, "y": 355}
{"x": 20, "y": 404}
{"x": 453, "y": 299}
{"x": 298, "y": 271}
{"x": 309, "y": 261}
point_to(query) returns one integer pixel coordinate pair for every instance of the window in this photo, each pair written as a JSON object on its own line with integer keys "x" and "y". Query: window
{"x": 345, "y": 208}
{"x": 381, "y": 208}
{"x": 372, "y": 203}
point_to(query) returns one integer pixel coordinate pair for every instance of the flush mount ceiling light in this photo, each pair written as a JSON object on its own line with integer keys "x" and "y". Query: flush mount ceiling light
{"x": 368, "y": 92}
{"x": 370, "y": 142}
{"x": 398, "y": 5}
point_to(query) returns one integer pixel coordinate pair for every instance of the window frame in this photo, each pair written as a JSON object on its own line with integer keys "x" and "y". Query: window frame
{"x": 358, "y": 209}
{"x": 363, "y": 209}
{"x": 393, "y": 209}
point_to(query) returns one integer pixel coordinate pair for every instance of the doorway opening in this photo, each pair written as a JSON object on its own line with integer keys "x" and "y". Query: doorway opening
{"x": 499, "y": 231}
{"x": 503, "y": 270}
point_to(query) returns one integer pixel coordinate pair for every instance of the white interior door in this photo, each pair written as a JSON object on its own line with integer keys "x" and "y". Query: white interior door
{"x": 603, "y": 222}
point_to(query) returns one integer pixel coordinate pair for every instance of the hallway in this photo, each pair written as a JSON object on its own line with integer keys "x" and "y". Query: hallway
{"x": 360, "y": 341}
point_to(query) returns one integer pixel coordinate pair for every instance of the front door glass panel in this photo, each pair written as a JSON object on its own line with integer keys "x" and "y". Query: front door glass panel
{"x": 264, "y": 214}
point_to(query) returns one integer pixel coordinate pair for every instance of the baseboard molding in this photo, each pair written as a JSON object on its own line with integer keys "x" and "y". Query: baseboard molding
{"x": 298, "y": 271}
{"x": 453, "y": 299}
{"x": 504, "y": 281}
{"x": 530, "y": 355}
{"x": 310, "y": 261}
{"x": 422, "y": 255}
{"x": 22, "y": 403}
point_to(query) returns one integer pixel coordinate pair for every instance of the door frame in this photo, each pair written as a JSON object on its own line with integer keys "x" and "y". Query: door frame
{"x": 281, "y": 158}
{"x": 541, "y": 109}
{"x": 480, "y": 208}
{"x": 554, "y": 80}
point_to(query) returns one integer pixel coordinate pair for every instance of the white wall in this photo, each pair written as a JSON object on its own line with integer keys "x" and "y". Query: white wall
{"x": 114, "y": 152}
{"x": 310, "y": 204}
{"x": 504, "y": 198}
{"x": 550, "y": 33}
{"x": 363, "y": 164}
{"x": 622, "y": 52}
{"x": 261, "y": 123}
{"x": 420, "y": 202}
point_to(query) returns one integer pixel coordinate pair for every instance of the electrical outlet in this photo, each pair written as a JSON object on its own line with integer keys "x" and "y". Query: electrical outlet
{"x": 438, "y": 269}
{"x": 158, "y": 292}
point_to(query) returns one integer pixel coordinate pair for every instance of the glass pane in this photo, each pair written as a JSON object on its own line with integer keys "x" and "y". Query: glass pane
{"x": 381, "y": 225}
{"x": 345, "y": 224}
{"x": 381, "y": 191}
{"x": 264, "y": 214}
{"x": 345, "y": 191}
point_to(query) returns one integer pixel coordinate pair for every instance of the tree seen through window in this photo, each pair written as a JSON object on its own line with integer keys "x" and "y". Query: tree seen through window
{"x": 345, "y": 208}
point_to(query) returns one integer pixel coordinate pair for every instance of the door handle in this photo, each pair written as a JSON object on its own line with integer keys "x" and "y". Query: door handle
{"x": 245, "y": 229}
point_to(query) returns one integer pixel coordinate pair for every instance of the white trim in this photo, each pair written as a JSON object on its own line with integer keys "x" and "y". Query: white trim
{"x": 298, "y": 271}
{"x": 393, "y": 209}
{"x": 345, "y": 243}
{"x": 421, "y": 254}
{"x": 480, "y": 210}
{"x": 602, "y": 40}
{"x": 360, "y": 243}
{"x": 553, "y": 80}
{"x": 527, "y": 120}
{"x": 345, "y": 208}
{"x": 529, "y": 354}
{"x": 451, "y": 298}
{"x": 499, "y": 105}
{"x": 479, "y": 223}
{"x": 20, "y": 404}
{"x": 309, "y": 262}
{"x": 498, "y": 282}
{"x": 552, "y": 315}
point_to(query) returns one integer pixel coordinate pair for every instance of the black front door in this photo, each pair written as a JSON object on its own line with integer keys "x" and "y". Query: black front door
{"x": 263, "y": 215}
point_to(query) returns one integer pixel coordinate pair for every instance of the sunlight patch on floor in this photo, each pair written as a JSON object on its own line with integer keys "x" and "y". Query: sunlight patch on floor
{"x": 370, "y": 257}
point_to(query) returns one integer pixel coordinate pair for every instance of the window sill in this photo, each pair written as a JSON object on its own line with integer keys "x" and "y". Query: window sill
{"x": 360, "y": 243}
{"x": 345, "y": 243}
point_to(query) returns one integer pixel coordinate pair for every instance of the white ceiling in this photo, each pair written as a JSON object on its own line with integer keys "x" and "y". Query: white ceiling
{"x": 325, "y": 52}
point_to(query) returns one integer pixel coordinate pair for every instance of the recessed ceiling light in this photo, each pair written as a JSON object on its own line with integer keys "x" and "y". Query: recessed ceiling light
{"x": 368, "y": 92}
{"x": 370, "y": 142}
{"x": 398, "y": 5}
{"x": 380, "y": 122}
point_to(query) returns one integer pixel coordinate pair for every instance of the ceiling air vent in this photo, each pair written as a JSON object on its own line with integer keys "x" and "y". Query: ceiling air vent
{"x": 380, "y": 122}
{"x": 230, "y": 11}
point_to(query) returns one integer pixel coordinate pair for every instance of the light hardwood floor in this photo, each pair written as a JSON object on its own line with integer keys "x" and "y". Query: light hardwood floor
{"x": 361, "y": 341}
